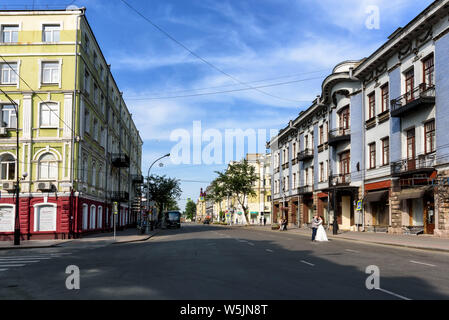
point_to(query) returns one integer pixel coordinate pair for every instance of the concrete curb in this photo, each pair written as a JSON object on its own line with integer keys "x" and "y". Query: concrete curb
{"x": 139, "y": 240}
{"x": 364, "y": 241}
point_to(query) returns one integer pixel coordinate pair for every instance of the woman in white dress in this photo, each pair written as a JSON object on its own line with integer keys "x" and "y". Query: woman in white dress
{"x": 321, "y": 233}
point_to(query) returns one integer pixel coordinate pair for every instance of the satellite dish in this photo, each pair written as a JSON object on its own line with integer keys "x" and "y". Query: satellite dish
{"x": 161, "y": 164}
{"x": 72, "y": 7}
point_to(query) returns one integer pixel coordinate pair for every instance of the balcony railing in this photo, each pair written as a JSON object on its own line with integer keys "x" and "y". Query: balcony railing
{"x": 340, "y": 180}
{"x": 120, "y": 160}
{"x": 339, "y": 135}
{"x": 306, "y": 154}
{"x": 422, "y": 95}
{"x": 421, "y": 163}
{"x": 137, "y": 178}
{"x": 305, "y": 189}
{"x": 121, "y": 196}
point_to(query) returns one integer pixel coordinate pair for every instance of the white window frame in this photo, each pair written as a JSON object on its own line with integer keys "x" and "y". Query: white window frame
{"x": 85, "y": 224}
{"x": 13, "y": 213}
{"x": 11, "y": 72}
{"x": 48, "y": 178}
{"x": 37, "y": 208}
{"x": 41, "y": 73}
{"x": 19, "y": 28}
{"x": 2, "y": 104}
{"x": 46, "y": 104}
{"x": 100, "y": 217}
{"x": 93, "y": 214}
{"x": 56, "y": 26}
{"x": 8, "y": 163}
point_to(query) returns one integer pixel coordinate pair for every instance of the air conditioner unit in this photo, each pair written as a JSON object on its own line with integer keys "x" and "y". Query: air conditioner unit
{"x": 3, "y": 131}
{"x": 44, "y": 186}
{"x": 8, "y": 186}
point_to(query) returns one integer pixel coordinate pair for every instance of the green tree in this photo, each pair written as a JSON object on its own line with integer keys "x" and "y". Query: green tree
{"x": 218, "y": 191}
{"x": 163, "y": 191}
{"x": 172, "y": 205}
{"x": 190, "y": 210}
{"x": 238, "y": 180}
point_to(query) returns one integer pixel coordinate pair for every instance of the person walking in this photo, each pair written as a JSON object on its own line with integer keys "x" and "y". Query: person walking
{"x": 315, "y": 224}
{"x": 264, "y": 221}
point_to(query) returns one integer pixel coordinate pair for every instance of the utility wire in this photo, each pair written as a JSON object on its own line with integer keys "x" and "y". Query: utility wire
{"x": 201, "y": 58}
{"x": 229, "y": 91}
{"x": 231, "y": 85}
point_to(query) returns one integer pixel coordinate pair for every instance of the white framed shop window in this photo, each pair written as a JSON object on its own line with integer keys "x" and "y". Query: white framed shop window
{"x": 92, "y": 216}
{"x": 45, "y": 217}
{"x": 100, "y": 217}
{"x": 7, "y": 215}
{"x": 85, "y": 216}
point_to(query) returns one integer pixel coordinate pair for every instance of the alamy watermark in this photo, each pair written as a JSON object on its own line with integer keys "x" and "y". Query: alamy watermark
{"x": 372, "y": 21}
{"x": 73, "y": 280}
{"x": 213, "y": 146}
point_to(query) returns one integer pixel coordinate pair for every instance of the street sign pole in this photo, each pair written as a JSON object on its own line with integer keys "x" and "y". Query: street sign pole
{"x": 115, "y": 211}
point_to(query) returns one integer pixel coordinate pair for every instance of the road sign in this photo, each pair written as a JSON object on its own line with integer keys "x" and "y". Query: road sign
{"x": 359, "y": 205}
{"x": 115, "y": 207}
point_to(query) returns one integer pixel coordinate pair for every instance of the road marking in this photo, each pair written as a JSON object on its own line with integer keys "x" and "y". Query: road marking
{"x": 426, "y": 264}
{"x": 24, "y": 258}
{"x": 393, "y": 294}
{"x": 12, "y": 265}
{"x": 18, "y": 261}
{"x": 251, "y": 244}
{"x": 269, "y": 250}
{"x": 3, "y": 270}
{"x": 310, "y": 264}
{"x": 350, "y": 250}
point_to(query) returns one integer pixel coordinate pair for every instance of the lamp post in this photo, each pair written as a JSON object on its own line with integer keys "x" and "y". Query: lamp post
{"x": 334, "y": 206}
{"x": 148, "y": 190}
{"x": 17, "y": 188}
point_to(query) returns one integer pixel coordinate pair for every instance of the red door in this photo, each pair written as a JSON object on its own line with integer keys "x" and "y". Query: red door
{"x": 411, "y": 162}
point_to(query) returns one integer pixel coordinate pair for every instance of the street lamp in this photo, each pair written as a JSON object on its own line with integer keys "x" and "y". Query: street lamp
{"x": 334, "y": 205}
{"x": 148, "y": 189}
{"x": 17, "y": 188}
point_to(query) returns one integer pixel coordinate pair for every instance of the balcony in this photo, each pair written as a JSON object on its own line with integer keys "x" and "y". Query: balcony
{"x": 137, "y": 178}
{"x": 421, "y": 96}
{"x": 120, "y": 160}
{"x": 120, "y": 196}
{"x": 340, "y": 180}
{"x": 420, "y": 164}
{"x": 306, "y": 154}
{"x": 305, "y": 190}
{"x": 339, "y": 135}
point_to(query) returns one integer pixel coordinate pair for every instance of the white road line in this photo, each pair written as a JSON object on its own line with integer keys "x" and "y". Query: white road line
{"x": 393, "y": 294}
{"x": 19, "y": 261}
{"x": 251, "y": 244}
{"x": 350, "y": 250}
{"x": 269, "y": 250}
{"x": 3, "y": 270}
{"x": 310, "y": 264}
{"x": 12, "y": 265}
{"x": 23, "y": 258}
{"x": 426, "y": 264}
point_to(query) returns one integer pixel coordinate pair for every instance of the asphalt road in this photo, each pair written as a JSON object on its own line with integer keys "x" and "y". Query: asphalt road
{"x": 217, "y": 262}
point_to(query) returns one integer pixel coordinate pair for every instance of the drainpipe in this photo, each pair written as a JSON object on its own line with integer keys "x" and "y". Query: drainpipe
{"x": 363, "y": 156}
{"x": 72, "y": 221}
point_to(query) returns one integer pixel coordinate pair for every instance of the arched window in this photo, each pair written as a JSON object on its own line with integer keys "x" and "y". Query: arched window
{"x": 85, "y": 217}
{"x": 100, "y": 217}
{"x": 8, "y": 164}
{"x": 92, "y": 217}
{"x": 94, "y": 174}
{"x": 48, "y": 167}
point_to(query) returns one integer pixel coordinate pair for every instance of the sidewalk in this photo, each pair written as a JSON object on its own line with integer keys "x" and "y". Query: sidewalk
{"x": 425, "y": 242}
{"x": 126, "y": 236}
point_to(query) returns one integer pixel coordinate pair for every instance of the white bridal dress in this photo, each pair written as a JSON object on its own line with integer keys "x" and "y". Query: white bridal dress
{"x": 321, "y": 234}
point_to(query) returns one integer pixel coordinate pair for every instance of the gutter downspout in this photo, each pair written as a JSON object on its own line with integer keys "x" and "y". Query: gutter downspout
{"x": 73, "y": 217}
{"x": 363, "y": 156}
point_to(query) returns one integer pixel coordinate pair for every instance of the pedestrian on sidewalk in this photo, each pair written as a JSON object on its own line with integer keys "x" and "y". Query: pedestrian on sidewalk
{"x": 264, "y": 221}
{"x": 315, "y": 224}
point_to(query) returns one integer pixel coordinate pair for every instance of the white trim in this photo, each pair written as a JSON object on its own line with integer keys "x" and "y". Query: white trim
{"x": 58, "y": 104}
{"x": 13, "y": 208}
{"x": 38, "y": 154}
{"x": 47, "y": 23}
{"x": 7, "y": 63}
{"x": 37, "y": 209}
{"x": 41, "y": 61}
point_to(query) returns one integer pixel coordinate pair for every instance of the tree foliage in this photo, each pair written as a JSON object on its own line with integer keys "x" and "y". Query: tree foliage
{"x": 190, "y": 211}
{"x": 237, "y": 181}
{"x": 163, "y": 191}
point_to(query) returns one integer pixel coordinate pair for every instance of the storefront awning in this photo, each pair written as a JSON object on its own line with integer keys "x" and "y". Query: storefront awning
{"x": 376, "y": 196}
{"x": 414, "y": 193}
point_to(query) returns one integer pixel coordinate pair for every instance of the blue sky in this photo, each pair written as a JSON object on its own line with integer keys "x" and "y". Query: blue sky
{"x": 252, "y": 40}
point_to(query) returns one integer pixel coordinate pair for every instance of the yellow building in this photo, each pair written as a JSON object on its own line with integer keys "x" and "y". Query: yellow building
{"x": 79, "y": 149}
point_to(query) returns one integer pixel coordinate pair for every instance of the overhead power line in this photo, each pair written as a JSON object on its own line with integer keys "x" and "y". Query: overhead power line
{"x": 228, "y": 91}
{"x": 168, "y": 35}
